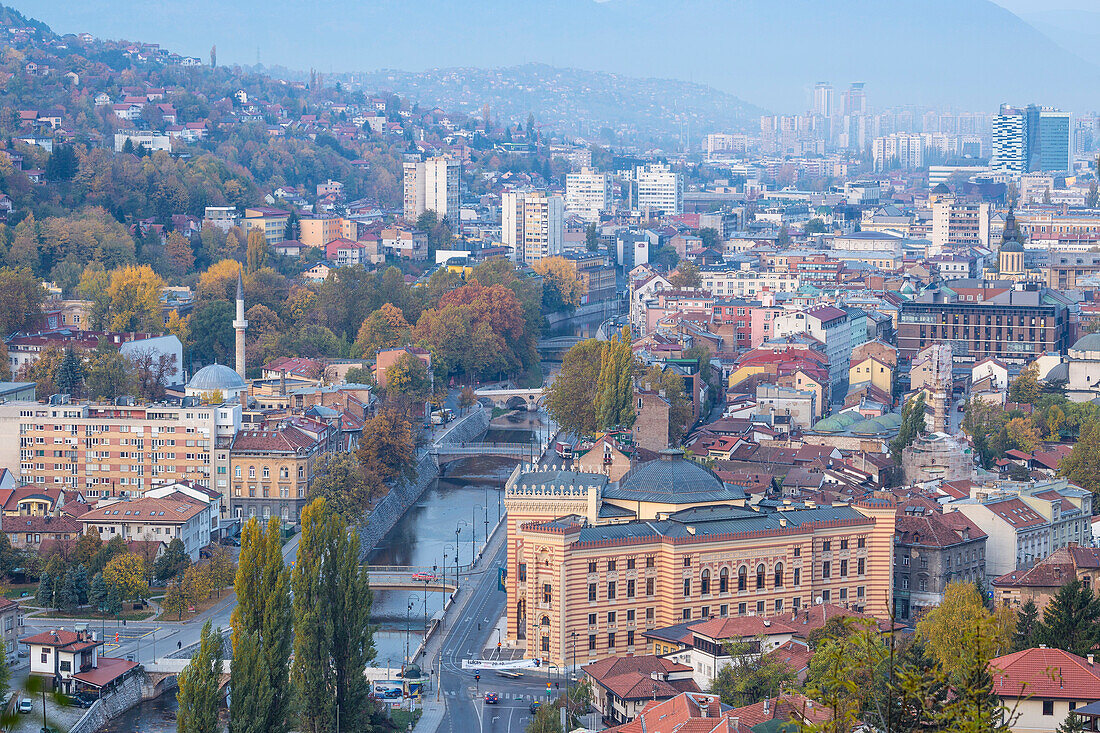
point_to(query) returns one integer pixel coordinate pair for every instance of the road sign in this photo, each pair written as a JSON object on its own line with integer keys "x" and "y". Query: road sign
{"x": 502, "y": 573}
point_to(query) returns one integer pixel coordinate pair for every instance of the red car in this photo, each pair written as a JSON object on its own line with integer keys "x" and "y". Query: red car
{"x": 490, "y": 698}
{"x": 425, "y": 577}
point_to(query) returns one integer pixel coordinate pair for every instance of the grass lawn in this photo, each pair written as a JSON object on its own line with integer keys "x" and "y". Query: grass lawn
{"x": 16, "y": 591}
{"x": 498, "y": 411}
{"x": 402, "y": 718}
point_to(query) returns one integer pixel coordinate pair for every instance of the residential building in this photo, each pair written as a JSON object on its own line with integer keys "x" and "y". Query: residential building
{"x": 58, "y": 655}
{"x": 271, "y": 468}
{"x": 898, "y": 150}
{"x": 26, "y": 348}
{"x": 318, "y": 231}
{"x": 873, "y": 362}
{"x": 149, "y": 519}
{"x": 1064, "y": 268}
{"x": 1032, "y": 139}
{"x": 223, "y": 217}
{"x": 1017, "y": 535}
{"x": 533, "y": 224}
{"x": 11, "y": 626}
{"x": 587, "y": 194}
{"x": 787, "y": 406}
{"x": 621, "y": 686}
{"x": 271, "y": 221}
{"x": 932, "y": 549}
{"x": 1010, "y": 142}
{"x": 1042, "y": 686}
{"x": 150, "y": 139}
{"x": 432, "y": 185}
{"x": 959, "y": 224}
{"x": 828, "y": 325}
{"x": 658, "y": 188}
{"x": 653, "y": 414}
{"x": 671, "y": 542}
{"x": 595, "y": 273}
{"x": 978, "y": 321}
{"x": 403, "y": 242}
{"x": 1043, "y": 580}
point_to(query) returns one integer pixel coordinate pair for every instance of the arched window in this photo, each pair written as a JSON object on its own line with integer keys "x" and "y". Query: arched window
{"x": 704, "y": 583}
{"x": 724, "y": 580}
{"x": 760, "y": 576}
{"x": 742, "y": 578}
{"x": 779, "y": 575}
{"x": 545, "y": 621}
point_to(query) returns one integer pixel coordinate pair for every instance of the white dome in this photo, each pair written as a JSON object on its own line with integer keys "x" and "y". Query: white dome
{"x": 216, "y": 377}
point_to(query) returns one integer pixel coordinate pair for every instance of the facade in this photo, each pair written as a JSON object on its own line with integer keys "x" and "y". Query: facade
{"x": 318, "y": 231}
{"x": 432, "y": 185}
{"x": 932, "y": 549}
{"x": 11, "y": 625}
{"x": 587, "y": 194}
{"x": 621, "y": 686}
{"x": 1018, "y": 536}
{"x": 148, "y": 519}
{"x": 271, "y": 221}
{"x": 271, "y": 470}
{"x": 1042, "y": 581}
{"x": 533, "y": 224}
{"x": 1014, "y": 325}
{"x": 59, "y": 654}
{"x": 937, "y": 456}
{"x": 832, "y": 328}
{"x": 1010, "y": 142}
{"x": 898, "y": 150}
{"x": 959, "y": 224}
{"x": 787, "y": 406}
{"x": 593, "y": 565}
{"x": 1042, "y": 686}
{"x": 658, "y": 187}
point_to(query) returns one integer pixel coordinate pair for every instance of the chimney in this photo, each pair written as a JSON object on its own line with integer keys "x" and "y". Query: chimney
{"x": 1090, "y": 658}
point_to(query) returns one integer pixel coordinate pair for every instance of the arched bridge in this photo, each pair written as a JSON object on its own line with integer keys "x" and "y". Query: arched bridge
{"x": 513, "y": 399}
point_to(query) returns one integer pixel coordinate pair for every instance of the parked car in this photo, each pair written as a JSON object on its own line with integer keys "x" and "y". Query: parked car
{"x": 81, "y": 700}
{"x": 491, "y": 698}
{"x": 535, "y": 707}
{"x": 425, "y": 577}
{"x": 25, "y": 705}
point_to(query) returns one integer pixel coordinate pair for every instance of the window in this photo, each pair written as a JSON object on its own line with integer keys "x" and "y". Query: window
{"x": 861, "y": 566}
{"x": 687, "y": 562}
{"x": 610, "y": 617}
{"x": 859, "y": 592}
{"x": 591, "y": 642}
{"x": 760, "y": 576}
{"x": 649, "y": 586}
{"x": 651, "y": 562}
{"x": 267, "y": 472}
{"x": 797, "y": 576}
{"x": 779, "y": 605}
{"x": 843, "y": 594}
{"x": 861, "y": 542}
{"x": 630, "y": 564}
{"x": 545, "y": 646}
{"x": 687, "y": 587}
{"x": 844, "y": 544}
{"x": 826, "y": 546}
{"x": 611, "y": 640}
{"x": 844, "y": 568}
{"x": 547, "y": 593}
{"x": 630, "y": 615}
{"x": 826, "y": 569}
{"x": 523, "y": 572}
{"x": 779, "y": 575}
{"x": 760, "y": 608}
{"x": 610, "y": 566}
{"x": 741, "y": 608}
{"x": 592, "y": 567}
{"x": 66, "y": 666}
{"x": 252, "y": 472}
{"x": 704, "y": 583}
{"x": 1048, "y": 707}
{"x": 825, "y": 596}
{"x": 591, "y": 619}
{"x": 649, "y": 614}
{"x": 630, "y": 589}
{"x": 630, "y": 637}
{"x": 237, "y": 472}
{"x": 611, "y": 590}
{"x": 704, "y": 612}
{"x": 798, "y": 552}
{"x": 686, "y": 614}
{"x": 591, "y": 592}
{"x": 742, "y": 577}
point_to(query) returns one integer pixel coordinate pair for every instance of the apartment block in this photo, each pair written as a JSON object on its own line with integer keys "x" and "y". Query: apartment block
{"x": 432, "y": 185}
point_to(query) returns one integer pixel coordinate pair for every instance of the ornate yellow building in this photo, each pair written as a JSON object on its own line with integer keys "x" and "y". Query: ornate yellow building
{"x": 593, "y": 564}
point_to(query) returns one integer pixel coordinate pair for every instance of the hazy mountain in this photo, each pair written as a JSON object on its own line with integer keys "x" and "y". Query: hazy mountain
{"x": 1074, "y": 29}
{"x": 970, "y": 53}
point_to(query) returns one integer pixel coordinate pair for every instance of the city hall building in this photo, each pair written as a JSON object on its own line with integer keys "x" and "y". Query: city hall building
{"x": 594, "y": 564}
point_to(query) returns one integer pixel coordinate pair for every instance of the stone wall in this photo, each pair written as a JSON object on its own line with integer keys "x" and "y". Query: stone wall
{"x": 393, "y": 506}
{"x": 110, "y": 706}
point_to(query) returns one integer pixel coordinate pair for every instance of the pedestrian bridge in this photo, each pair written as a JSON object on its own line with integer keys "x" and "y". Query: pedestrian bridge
{"x": 553, "y": 349}
{"x": 513, "y": 399}
{"x": 400, "y": 577}
{"x": 452, "y": 452}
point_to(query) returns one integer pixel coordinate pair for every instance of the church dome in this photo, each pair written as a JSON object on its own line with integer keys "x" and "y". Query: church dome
{"x": 673, "y": 480}
{"x": 216, "y": 378}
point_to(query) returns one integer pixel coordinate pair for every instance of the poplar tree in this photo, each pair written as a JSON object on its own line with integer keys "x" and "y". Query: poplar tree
{"x": 262, "y": 631}
{"x": 198, "y": 686}
{"x": 333, "y": 637}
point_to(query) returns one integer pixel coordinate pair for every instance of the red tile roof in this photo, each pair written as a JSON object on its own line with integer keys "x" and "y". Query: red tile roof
{"x": 68, "y": 641}
{"x": 274, "y": 440}
{"x": 740, "y": 627}
{"x": 694, "y": 712}
{"x": 629, "y": 678}
{"x": 107, "y": 670}
{"x": 1045, "y": 673}
{"x": 784, "y": 708}
{"x": 1016, "y": 513}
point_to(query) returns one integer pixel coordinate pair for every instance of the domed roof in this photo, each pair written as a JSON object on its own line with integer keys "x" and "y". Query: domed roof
{"x": 216, "y": 377}
{"x": 673, "y": 480}
{"x": 1088, "y": 342}
{"x": 1010, "y": 240}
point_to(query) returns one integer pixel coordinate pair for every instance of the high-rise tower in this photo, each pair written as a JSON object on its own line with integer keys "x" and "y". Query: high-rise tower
{"x": 240, "y": 326}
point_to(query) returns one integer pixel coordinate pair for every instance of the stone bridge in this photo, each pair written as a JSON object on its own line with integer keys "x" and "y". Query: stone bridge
{"x": 512, "y": 399}
{"x": 553, "y": 349}
{"x": 522, "y": 452}
{"x": 401, "y": 577}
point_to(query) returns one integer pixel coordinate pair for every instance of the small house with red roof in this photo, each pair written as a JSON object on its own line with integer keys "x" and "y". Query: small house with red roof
{"x": 1043, "y": 686}
{"x": 58, "y": 654}
{"x": 621, "y": 686}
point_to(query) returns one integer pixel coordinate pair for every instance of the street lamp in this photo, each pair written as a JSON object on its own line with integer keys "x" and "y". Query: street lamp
{"x": 458, "y": 530}
{"x": 443, "y": 605}
{"x": 473, "y": 531}
{"x": 408, "y": 617}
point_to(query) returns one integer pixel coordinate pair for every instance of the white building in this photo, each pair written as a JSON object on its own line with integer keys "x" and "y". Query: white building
{"x": 153, "y": 141}
{"x": 659, "y": 188}
{"x": 532, "y": 224}
{"x": 587, "y": 193}
{"x": 1010, "y": 142}
{"x": 831, "y": 327}
{"x": 958, "y": 224}
{"x": 900, "y": 149}
{"x": 747, "y": 283}
{"x": 432, "y": 185}
{"x": 149, "y": 519}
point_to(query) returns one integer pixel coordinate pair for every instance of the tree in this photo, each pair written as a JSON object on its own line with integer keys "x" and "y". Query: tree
{"x": 153, "y": 371}
{"x": 562, "y": 289}
{"x": 44, "y": 370}
{"x": 912, "y": 425}
{"x": 196, "y": 584}
{"x": 387, "y": 448}
{"x": 1073, "y": 723}
{"x": 333, "y": 640}
{"x": 67, "y": 597}
{"x": 70, "y": 374}
{"x": 134, "y": 295}
{"x": 93, "y": 286}
{"x": 86, "y": 547}
{"x": 1027, "y": 627}
{"x": 256, "y": 253}
{"x": 1071, "y": 621}
{"x": 175, "y": 601}
{"x": 712, "y": 238}
{"x": 615, "y": 387}
{"x": 408, "y": 376}
{"x": 659, "y": 379}
{"x": 666, "y": 257}
{"x": 945, "y": 628}
{"x": 212, "y": 337}
{"x": 180, "y": 256}
{"x": 109, "y": 374}
{"x": 466, "y": 398}
{"x": 686, "y": 276}
{"x": 338, "y": 478}
{"x": 199, "y": 686}
{"x": 1025, "y": 388}
{"x": 219, "y": 282}
{"x": 97, "y": 593}
{"x": 592, "y": 237}
{"x": 750, "y": 676}
{"x": 1082, "y": 465}
{"x": 262, "y": 630}
{"x": 172, "y": 561}
{"x": 21, "y": 298}
{"x": 814, "y": 226}
{"x": 125, "y": 574}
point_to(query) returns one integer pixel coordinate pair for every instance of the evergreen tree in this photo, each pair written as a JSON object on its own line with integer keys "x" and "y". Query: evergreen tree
{"x": 262, "y": 629}
{"x": 97, "y": 592}
{"x": 44, "y": 595}
{"x": 172, "y": 562}
{"x": 1072, "y": 723}
{"x": 1027, "y": 627}
{"x": 912, "y": 425}
{"x": 67, "y": 597}
{"x": 333, "y": 636}
{"x": 80, "y": 584}
{"x": 70, "y": 374}
{"x": 615, "y": 387}
{"x": 198, "y": 686}
{"x": 1071, "y": 621}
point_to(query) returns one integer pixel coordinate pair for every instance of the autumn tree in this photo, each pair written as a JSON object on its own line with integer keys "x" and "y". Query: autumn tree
{"x": 174, "y": 602}
{"x": 125, "y": 574}
{"x": 338, "y": 478}
{"x": 385, "y": 328}
{"x": 21, "y": 298}
{"x": 615, "y": 384}
{"x": 1021, "y": 433}
{"x": 178, "y": 251}
{"x": 200, "y": 685}
{"x": 93, "y": 286}
{"x": 962, "y": 610}
{"x": 387, "y": 449}
{"x": 219, "y": 281}
{"x": 262, "y": 630}
{"x": 109, "y": 374}
{"x": 571, "y": 399}
{"x": 686, "y": 276}
{"x": 333, "y": 637}
{"x": 409, "y": 377}
{"x": 134, "y": 294}
{"x": 257, "y": 250}
{"x": 561, "y": 288}
{"x": 44, "y": 370}
{"x": 1025, "y": 388}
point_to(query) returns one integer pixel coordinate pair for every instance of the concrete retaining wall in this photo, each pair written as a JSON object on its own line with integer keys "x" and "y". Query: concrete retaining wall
{"x": 110, "y": 706}
{"x": 393, "y": 506}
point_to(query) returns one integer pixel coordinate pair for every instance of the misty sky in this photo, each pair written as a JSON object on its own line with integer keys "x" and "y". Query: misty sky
{"x": 1035, "y": 6}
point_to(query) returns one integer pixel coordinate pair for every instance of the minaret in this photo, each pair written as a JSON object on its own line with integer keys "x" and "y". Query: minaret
{"x": 240, "y": 325}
